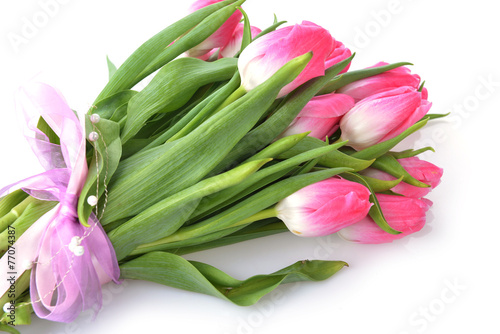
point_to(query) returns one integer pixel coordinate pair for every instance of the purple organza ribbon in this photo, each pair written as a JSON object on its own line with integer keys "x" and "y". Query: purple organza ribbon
{"x": 63, "y": 282}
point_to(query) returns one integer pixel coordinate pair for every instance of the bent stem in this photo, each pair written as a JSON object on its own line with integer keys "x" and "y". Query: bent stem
{"x": 200, "y": 233}
{"x": 15, "y": 213}
{"x": 233, "y": 97}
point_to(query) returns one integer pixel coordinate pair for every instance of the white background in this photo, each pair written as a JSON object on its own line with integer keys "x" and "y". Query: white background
{"x": 442, "y": 280}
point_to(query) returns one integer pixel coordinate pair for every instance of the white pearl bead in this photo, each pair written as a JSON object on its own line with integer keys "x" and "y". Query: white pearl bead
{"x": 6, "y": 308}
{"x": 75, "y": 241}
{"x": 27, "y": 265}
{"x": 95, "y": 118}
{"x": 79, "y": 251}
{"x": 92, "y": 200}
{"x": 93, "y": 136}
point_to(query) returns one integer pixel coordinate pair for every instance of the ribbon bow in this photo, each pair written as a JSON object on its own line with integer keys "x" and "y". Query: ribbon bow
{"x": 69, "y": 261}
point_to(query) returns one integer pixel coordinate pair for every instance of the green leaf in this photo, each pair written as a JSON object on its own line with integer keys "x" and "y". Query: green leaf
{"x": 106, "y": 156}
{"x": 387, "y": 163}
{"x": 259, "y": 229}
{"x": 332, "y": 159}
{"x": 172, "y": 87}
{"x": 8, "y": 329}
{"x": 20, "y": 286}
{"x": 47, "y": 130}
{"x": 352, "y": 76}
{"x": 410, "y": 153}
{"x": 172, "y": 270}
{"x": 375, "y": 211}
{"x": 379, "y": 186}
{"x": 193, "y": 156}
{"x": 111, "y": 67}
{"x": 382, "y": 148}
{"x": 247, "y": 33}
{"x": 273, "y": 27}
{"x": 127, "y": 74}
{"x": 107, "y": 108}
{"x": 22, "y": 314}
{"x": 278, "y": 147}
{"x": 434, "y": 116}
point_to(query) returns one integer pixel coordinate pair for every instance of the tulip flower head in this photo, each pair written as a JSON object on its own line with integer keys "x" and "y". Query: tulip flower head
{"x": 266, "y": 55}
{"x": 320, "y": 116}
{"x": 234, "y": 45}
{"x": 395, "y": 78}
{"x": 421, "y": 170}
{"x": 325, "y": 207}
{"x": 219, "y": 38}
{"x": 383, "y": 116}
{"x": 403, "y": 214}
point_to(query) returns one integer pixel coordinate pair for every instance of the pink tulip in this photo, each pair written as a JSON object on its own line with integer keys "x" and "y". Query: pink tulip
{"x": 234, "y": 45}
{"x": 325, "y": 207}
{"x": 266, "y": 55}
{"x": 383, "y": 116}
{"x": 422, "y": 170}
{"x": 339, "y": 53}
{"x": 395, "y": 78}
{"x": 321, "y": 116}
{"x": 219, "y": 38}
{"x": 403, "y": 214}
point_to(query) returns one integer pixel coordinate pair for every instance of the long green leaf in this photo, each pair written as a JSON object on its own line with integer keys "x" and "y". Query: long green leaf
{"x": 252, "y": 231}
{"x": 172, "y": 270}
{"x": 389, "y": 164}
{"x": 352, "y": 76}
{"x": 382, "y": 148}
{"x": 332, "y": 159}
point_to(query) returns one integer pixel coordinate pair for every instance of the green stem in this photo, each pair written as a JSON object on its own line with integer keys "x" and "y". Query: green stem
{"x": 201, "y": 233}
{"x": 15, "y": 213}
{"x": 233, "y": 97}
{"x": 11, "y": 200}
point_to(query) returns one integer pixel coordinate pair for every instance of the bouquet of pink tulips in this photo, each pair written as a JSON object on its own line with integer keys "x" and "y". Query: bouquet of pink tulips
{"x": 241, "y": 133}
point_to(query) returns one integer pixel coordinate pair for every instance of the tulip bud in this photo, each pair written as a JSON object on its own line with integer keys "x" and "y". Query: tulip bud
{"x": 421, "y": 170}
{"x": 395, "y": 78}
{"x": 403, "y": 214}
{"x": 219, "y": 38}
{"x": 264, "y": 56}
{"x": 339, "y": 53}
{"x": 383, "y": 116}
{"x": 234, "y": 45}
{"x": 324, "y": 208}
{"x": 320, "y": 116}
